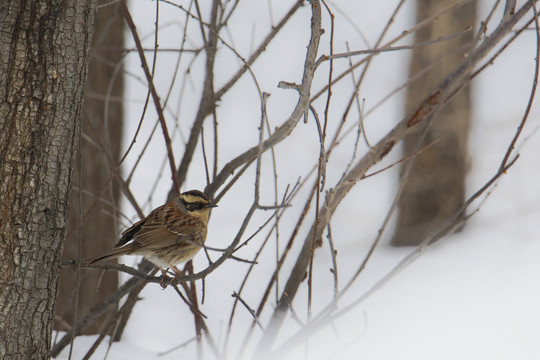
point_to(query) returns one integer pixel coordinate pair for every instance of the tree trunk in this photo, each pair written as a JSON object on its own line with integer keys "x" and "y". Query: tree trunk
{"x": 102, "y": 123}
{"x": 43, "y": 59}
{"x": 435, "y": 188}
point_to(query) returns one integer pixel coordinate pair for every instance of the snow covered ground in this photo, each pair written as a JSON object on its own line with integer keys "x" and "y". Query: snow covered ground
{"x": 473, "y": 295}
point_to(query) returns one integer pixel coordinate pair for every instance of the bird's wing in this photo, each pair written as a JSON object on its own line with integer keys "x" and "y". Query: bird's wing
{"x": 166, "y": 226}
{"x": 127, "y": 234}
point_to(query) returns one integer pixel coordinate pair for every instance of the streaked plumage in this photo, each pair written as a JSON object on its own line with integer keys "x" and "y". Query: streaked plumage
{"x": 171, "y": 234}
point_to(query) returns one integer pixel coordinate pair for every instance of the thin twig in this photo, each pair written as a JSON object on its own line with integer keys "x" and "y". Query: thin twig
{"x": 286, "y": 128}
{"x": 423, "y": 23}
{"x": 184, "y": 344}
{"x": 403, "y": 159}
{"x": 510, "y": 7}
{"x": 98, "y": 310}
{"x": 333, "y": 255}
{"x": 154, "y": 93}
{"x": 415, "y": 121}
{"x": 383, "y": 49}
{"x": 208, "y": 98}
{"x": 260, "y": 49}
{"x": 251, "y": 311}
{"x": 321, "y": 321}
{"x": 189, "y": 304}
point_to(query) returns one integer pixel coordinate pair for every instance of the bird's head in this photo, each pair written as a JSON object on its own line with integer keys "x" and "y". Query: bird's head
{"x": 196, "y": 204}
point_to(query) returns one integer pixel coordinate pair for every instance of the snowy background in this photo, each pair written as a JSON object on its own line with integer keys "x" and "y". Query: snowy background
{"x": 474, "y": 295}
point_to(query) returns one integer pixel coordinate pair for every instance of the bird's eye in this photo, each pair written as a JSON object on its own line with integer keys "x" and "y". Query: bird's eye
{"x": 194, "y": 206}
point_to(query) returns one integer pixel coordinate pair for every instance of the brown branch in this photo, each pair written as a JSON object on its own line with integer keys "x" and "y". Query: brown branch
{"x": 510, "y": 7}
{"x": 422, "y": 115}
{"x": 104, "y": 49}
{"x": 403, "y": 159}
{"x": 115, "y": 323}
{"x": 445, "y": 228}
{"x": 279, "y": 265}
{"x": 251, "y": 311}
{"x": 284, "y": 130}
{"x": 208, "y": 98}
{"x": 324, "y": 319}
{"x": 415, "y": 28}
{"x": 286, "y": 198}
{"x": 389, "y": 48}
{"x": 98, "y": 310}
{"x": 333, "y": 255}
{"x": 193, "y": 303}
{"x": 321, "y": 168}
{"x": 155, "y": 96}
{"x": 260, "y": 49}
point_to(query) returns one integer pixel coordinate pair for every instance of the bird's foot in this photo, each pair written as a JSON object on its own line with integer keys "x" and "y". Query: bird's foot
{"x": 175, "y": 269}
{"x": 165, "y": 280}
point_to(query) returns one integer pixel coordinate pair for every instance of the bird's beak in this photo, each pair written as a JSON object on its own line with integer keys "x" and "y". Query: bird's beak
{"x": 211, "y": 205}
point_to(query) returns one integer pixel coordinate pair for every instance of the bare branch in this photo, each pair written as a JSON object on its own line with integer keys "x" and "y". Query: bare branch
{"x": 383, "y": 49}
{"x": 284, "y": 130}
{"x": 208, "y": 98}
{"x": 417, "y": 120}
{"x": 155, "y": 96}
{"x": 251, "y": 311}
{"x": 324, "y": 319}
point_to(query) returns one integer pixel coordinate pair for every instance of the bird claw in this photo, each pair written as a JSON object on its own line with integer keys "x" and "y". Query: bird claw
{"x": 176, "y": 271}
{"x": 165, "y": 280}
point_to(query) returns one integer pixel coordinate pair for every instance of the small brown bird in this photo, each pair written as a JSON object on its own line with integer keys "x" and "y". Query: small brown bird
{"x": 171, "y": 234}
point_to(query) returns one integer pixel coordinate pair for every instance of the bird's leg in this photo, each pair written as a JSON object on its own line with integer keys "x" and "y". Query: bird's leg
{"x": 175, "y": 269}
{"x": 164, "y": 278}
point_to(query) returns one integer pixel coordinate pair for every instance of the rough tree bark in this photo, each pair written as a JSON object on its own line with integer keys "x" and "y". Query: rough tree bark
{"x": 435, "y": 187}
{"x": 102, "y": 123}
{"x": 43, "y": 61}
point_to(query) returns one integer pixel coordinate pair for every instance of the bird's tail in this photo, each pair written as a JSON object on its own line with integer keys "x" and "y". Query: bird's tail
{"x": 109, "y": 255}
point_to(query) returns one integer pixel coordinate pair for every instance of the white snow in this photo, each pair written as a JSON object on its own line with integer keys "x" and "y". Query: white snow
{"x": 473, "y": 295}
